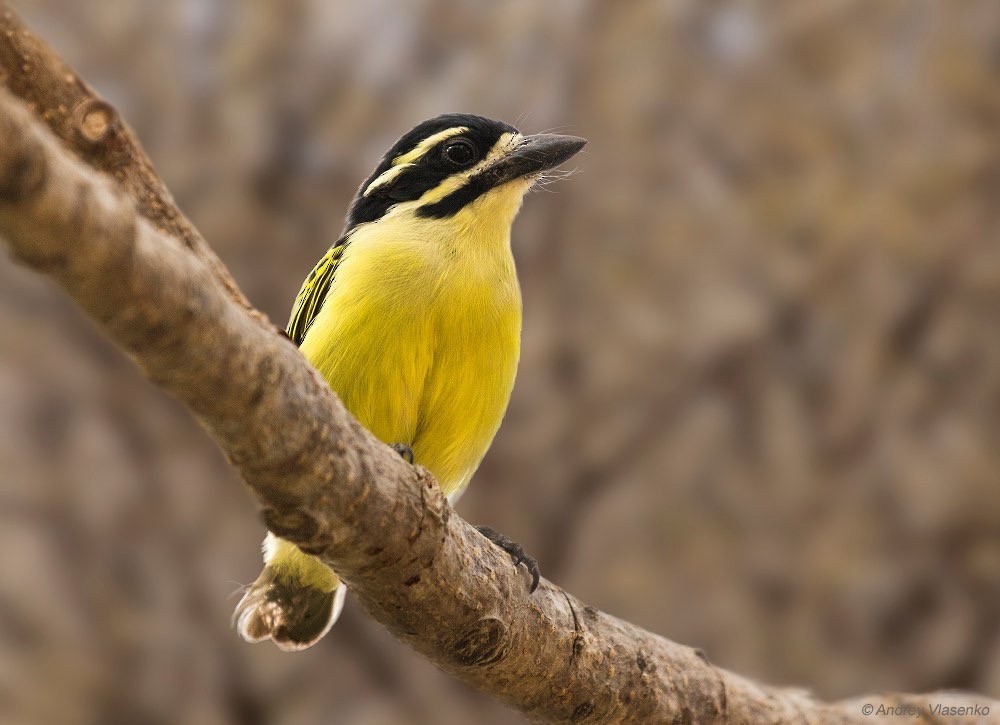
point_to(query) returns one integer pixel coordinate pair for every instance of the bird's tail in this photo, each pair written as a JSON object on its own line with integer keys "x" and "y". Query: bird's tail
{"x": 294, "y": 602}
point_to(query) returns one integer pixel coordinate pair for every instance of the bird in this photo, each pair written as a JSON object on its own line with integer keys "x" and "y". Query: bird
{"x": 413, "y": 317}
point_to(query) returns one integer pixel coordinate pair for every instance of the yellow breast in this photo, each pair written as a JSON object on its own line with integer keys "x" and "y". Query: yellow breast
{"x": 420, "y": 334}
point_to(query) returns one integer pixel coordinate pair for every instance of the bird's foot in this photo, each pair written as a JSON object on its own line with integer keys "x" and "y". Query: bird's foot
{"x": 405, "y": 451}
{"x": 516, "y": 551}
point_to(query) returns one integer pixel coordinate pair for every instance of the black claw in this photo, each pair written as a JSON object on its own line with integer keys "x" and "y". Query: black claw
{"x": 516, "y": 551}
{"x": 405, "y": 451}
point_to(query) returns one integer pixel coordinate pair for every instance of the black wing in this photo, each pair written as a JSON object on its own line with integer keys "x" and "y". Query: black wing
{"x": 313, "y": 292}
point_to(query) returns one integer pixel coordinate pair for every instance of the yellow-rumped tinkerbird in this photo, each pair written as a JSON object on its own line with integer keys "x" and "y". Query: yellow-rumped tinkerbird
{"x": 414, "y": 318}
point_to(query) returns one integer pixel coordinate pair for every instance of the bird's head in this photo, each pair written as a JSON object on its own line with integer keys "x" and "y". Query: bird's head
{"x": 456, "y": 164}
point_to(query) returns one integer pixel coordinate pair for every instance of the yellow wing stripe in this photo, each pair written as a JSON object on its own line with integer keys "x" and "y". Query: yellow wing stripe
{"x": 313, "y": 292}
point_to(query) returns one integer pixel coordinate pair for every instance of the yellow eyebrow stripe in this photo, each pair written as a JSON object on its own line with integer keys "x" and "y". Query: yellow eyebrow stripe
{"x": 427, "y": 144}
{"x": 452, "y": 183}
{"x": 457, "y": 181}
{"x": 385, "y": 177}
{"x": 404, "y": 161}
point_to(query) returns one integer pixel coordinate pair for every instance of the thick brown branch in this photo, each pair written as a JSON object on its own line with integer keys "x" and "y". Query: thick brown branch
{"x": 325, "y": 482}
{"x": 93, "y": 130}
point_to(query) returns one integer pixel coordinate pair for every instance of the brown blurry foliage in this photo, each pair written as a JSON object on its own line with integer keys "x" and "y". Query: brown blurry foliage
{"x": 759, "y": 394}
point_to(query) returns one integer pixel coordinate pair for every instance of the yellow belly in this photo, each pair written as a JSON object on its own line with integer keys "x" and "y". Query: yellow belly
{"x": 420, "y": 339}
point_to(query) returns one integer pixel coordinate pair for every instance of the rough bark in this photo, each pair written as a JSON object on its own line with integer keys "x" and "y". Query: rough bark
{"x": 80, "y": 202}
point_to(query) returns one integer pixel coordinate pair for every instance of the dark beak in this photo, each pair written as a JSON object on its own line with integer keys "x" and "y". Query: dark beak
{"x": 535, "y": 154}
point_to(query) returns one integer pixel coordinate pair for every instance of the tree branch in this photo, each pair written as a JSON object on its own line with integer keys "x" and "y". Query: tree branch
{"x": 80, "y": 202}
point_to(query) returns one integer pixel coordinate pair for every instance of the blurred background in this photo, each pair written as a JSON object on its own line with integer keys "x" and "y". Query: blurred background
{"x": 758, "y": 408}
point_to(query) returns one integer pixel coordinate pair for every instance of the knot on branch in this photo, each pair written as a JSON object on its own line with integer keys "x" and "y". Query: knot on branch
{"x": 428, "y": 530}
{"x": 582, "y": 711}
{"x": 296, "y": 525}
{"x": 93, "y": 120}
{"x": 22, "y": 167}
{"x": 484, "y": 643}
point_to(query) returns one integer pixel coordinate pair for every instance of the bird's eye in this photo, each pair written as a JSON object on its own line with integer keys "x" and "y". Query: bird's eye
{"x": 460, "y": 152}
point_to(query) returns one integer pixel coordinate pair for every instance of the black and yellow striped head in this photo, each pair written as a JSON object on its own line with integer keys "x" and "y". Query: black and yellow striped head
{"x": 448, "y": 162}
